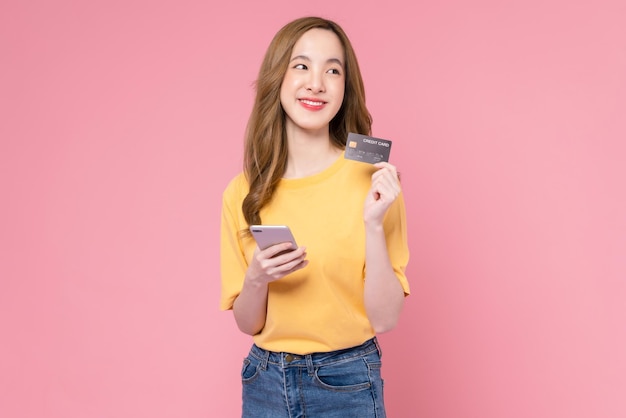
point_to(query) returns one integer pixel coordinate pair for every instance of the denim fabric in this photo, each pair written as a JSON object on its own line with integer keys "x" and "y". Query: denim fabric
{"x": 338, "y": 384}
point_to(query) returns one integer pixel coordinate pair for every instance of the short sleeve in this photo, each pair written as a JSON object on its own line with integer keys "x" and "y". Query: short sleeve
{"x": 233, "y": 264}
{"x": 397, "y": 244}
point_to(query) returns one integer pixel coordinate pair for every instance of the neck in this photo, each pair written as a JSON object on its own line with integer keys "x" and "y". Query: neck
{"x": 309, "y": 153}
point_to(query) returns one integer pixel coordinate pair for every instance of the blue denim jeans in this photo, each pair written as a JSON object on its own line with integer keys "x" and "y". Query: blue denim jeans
{"x": 338, "y": 384}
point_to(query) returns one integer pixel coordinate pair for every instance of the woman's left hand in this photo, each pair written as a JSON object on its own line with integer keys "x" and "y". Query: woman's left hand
{"x": 384, "y": 190}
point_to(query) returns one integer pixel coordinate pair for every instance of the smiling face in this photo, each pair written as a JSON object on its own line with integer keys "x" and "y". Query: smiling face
{"x": 313, "y": 87}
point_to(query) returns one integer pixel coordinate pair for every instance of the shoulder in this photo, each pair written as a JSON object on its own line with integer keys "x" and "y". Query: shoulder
{"x": 360, "y": 167}
{"x": 237, "y": 187}
{"x": 358, "y": 171}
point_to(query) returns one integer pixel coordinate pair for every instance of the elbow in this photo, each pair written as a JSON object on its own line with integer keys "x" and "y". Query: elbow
{"x": 247, "y": 326}
{"x": 380, "y": 327}
{"x": 249, "y": 329}
{"x": 385, "y": 319}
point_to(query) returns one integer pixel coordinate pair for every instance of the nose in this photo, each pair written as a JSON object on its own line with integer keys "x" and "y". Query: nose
{"x": 315, "y": 82}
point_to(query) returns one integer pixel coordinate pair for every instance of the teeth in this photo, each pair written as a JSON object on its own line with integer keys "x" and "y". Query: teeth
{"x": 312, "y": 103}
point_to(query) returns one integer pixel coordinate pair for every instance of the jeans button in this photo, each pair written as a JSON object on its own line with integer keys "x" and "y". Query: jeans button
{"x": 289, "y": 358}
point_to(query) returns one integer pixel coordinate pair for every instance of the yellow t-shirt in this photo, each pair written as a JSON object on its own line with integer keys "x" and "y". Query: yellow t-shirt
{"x": 319, "y": 308}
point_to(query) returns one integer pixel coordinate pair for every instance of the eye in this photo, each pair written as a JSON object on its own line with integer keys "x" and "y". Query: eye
{"x": 300, "y": 67}
{"x": 334, "y": 71}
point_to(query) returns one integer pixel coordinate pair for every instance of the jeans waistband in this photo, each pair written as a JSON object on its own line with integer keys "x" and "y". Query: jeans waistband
{"x": 314, "y": 359}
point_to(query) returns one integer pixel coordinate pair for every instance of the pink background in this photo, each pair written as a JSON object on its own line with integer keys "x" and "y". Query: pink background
{"x": 122, "y": 121}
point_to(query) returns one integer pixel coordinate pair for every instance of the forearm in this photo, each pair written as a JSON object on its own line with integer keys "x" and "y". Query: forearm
{"x": 250, "y": 307}
{"x": 384, "y": 296}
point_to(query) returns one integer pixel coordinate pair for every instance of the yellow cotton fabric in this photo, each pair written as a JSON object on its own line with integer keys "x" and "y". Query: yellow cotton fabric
{"x": 319, "y": 308}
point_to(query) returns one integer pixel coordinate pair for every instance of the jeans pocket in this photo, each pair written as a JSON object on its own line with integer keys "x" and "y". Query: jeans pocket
{"x": 349, "y": 376}
{"x": 249, "y": 370}
{"x": 375, "y": 372}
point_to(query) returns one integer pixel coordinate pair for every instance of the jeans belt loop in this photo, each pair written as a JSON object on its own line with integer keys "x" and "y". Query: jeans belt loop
{"x": 380, "y": 352}
{"x": 309, "y": 364}
{"x": 265, "y": 359}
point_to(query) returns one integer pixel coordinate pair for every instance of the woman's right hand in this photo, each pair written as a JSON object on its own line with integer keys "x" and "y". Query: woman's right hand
{"x": 269, "y": 265}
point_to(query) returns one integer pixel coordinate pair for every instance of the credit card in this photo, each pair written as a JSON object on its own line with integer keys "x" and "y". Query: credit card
{"x": 367, "y": 149}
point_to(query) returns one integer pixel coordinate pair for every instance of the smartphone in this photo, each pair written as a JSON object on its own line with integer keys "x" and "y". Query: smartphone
{"x": 268, "y": 235}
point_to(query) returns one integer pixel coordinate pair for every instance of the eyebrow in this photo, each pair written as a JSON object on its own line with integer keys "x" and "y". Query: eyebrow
{"x": 328, "y": 61}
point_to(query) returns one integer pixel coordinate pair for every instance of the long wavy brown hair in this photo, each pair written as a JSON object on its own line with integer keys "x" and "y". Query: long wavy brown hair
{"x": 265, "y": 149}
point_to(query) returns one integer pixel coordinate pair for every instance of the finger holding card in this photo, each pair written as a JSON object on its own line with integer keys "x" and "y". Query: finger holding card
{"x": 384, "y": 191}
{"x": 385, "y": 184}
{"x": 388, "y": 173}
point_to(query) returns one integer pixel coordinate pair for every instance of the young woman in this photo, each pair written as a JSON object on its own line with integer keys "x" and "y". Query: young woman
{"x": 313, "y": 312}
